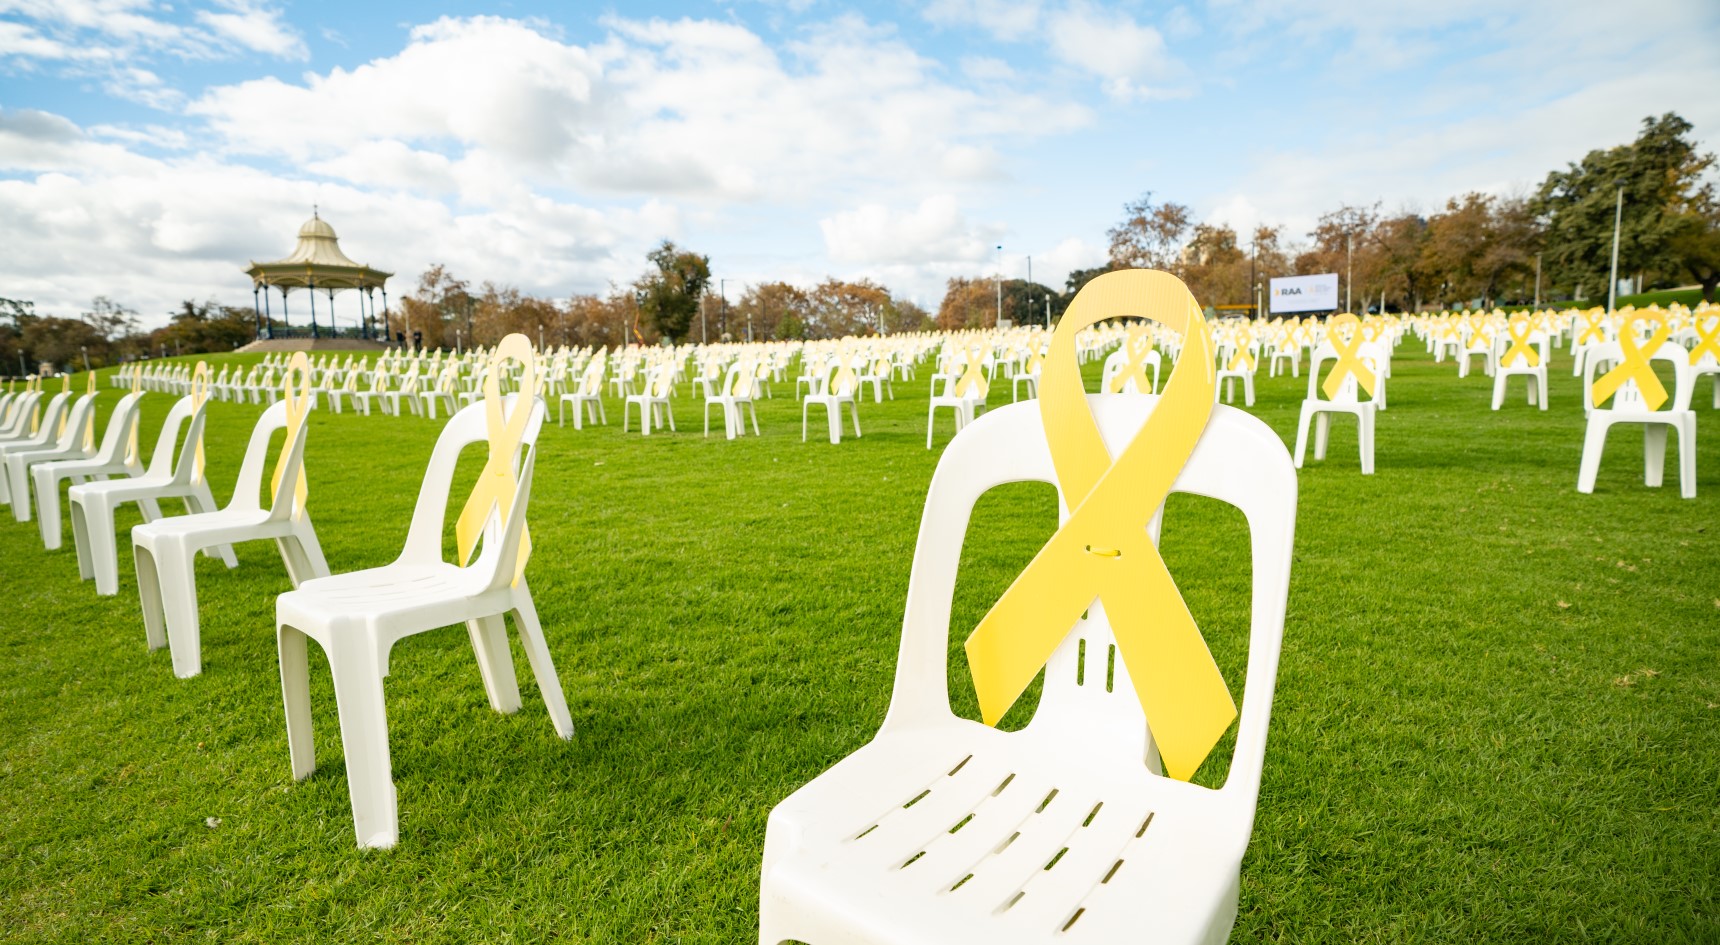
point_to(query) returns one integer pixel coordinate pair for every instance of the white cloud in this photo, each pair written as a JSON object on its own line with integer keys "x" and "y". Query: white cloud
{"x": 89, "y": 217}
{"x": 1008, "y": 20}
{"x": 256, "y": 27}
{"x": 934, "y": 232}
{"x": 696, "y": 109}
{"x": 1132, "y": 59}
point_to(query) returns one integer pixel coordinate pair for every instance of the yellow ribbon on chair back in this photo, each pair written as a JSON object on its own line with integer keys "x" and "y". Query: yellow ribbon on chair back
{"x": 972, "y": 382}
{"x": 1592, "y": 331}
{"x": 1635, "y": 366}
{"x": 1348, "y": 345}
{"x": 90, "y": 424}
{"x": 199, "y": 396}
{"x": 1708, "y": 339}
{"x": 1138, "y": 345}
{"x": 298, "y": 397}
{"x": 498, "y": 483}
{"x": 745, "y": 376}
{"x": 1519, "y": 328}
{"x": 1103, "y": 551}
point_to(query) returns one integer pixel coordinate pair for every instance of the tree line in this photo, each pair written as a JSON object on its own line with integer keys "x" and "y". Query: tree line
{"x": 1477, "y": 249}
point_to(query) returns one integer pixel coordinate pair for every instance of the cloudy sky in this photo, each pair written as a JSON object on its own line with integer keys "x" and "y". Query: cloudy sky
{"x": 149, "y": 150}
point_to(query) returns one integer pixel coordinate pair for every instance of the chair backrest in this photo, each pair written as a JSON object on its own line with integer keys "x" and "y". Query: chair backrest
{"x": 121, "y": 422}
{"x": 1604, "y": 356}
{"x": 470, "y": 425}
{"x": 50, "y": 417}
{"x": 1088, "y": 695}
{"x": 180, "y": 465}
{"x": 1349, "y": 389}
{"x": 27, "y": 406}
{"x": 76, "y": 424}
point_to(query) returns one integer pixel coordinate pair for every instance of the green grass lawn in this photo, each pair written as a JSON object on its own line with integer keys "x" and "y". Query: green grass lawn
{"x": 1497, "y": 716}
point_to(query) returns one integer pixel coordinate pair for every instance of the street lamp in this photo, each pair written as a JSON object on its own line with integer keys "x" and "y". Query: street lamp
{"x": 1618, "y": 221}
{"x": 1537, "y": 280}
{"x": 1000, "y": 285}
{"x": 1349, "y": 271}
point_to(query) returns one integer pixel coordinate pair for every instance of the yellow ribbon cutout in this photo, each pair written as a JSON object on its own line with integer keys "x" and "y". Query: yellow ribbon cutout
{"x": 199, "y": 396}
{"x": 1244, "y": 357}
{"x": 65, "y": 388}
{"x": 1103, "y": 550}
{"x": 298, "y": 399}
{"x": 972, "y": 382}
{"x": 497, "y": 483}
{"x": 1138, "y": 346}
{"x": 1519, "y": 328}
{"x": 1708, "y": 340}
{"x": 90, "y": 424}
{"x": 1592, "y": 330}
{"x": 1349, "y": 362}
{"x": 744, "y": 377}
{"x": 1635, "y": 365}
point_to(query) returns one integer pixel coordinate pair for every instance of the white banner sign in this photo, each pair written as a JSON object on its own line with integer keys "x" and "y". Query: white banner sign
{"x": 1304, "y": 294}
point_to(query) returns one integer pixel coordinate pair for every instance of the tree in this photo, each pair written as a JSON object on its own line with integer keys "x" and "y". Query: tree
{"x": 204, "y": 327}
{"x": 1150, "y": 235}
{"x": 1696, "y": 242}
{"x": 838, "y": 309}
{"x": 1215, "y": 267}
{"x": 776, "y": 310}
{"x": 669, "y": 294}
{"x": 968, "y": 303}
{"x": 1661, "y": 175}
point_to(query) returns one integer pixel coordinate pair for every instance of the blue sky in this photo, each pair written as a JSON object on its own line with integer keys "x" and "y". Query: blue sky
{"x": 149, "y": 150}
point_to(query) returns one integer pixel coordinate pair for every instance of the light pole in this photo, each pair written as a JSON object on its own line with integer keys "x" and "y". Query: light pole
{"x": 723, "y": 292}
{"x": 1349, "y": 271}
{"x": 999, "y": 322}
{"x": 1537, "y": 280}
{"x": 1048, "y": 313}
{"x": 1618, "y": 221}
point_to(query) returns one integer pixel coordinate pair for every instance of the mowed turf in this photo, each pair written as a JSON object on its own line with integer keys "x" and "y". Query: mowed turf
{"x": 1497, "y": 715}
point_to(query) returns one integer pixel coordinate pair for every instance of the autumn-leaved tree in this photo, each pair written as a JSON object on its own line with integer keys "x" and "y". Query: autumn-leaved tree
{"x": 1150, "y": 235}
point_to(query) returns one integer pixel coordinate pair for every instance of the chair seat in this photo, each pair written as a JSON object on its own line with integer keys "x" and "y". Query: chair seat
{"x": 220, "y": 527}
{"x": 978, "y": 835}
{"x": 419, "y": 595}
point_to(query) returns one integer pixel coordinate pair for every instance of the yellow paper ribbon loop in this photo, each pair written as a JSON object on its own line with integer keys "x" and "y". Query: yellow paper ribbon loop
{"x": 972, "y": 382}
{"x": 1635, "y": 366}
{"x": 1519, "y": 328}
{"x": 1138, "y": 345}
{"x": 1708, "y": 339}
{"x": 1347, "y": 345}
{"x": 296, "y": 392}
{"x": 1592, "y": 330}
{"x": 1103, "y": 550}
{"x": 497, "y": 483}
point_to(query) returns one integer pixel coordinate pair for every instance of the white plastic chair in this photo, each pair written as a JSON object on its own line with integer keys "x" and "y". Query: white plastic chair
{"x": 33, "y": 434}
{"x": 587, "y": 399}
{"x": 1346, "y": 399}
{"x": 171, "y": 475}
{"x": 358, "y": 617}
{"x": 653, "y": 401}
{"x": 118, "y": 455}
{"x": 943, "y": 830}
{"x": 164, "y": 550}
{"x": 1520, "y": 351}
{"x": 964, "y": 404}
{"x": 834, "y": 388}
{"x": 1237, "y": 363}
{"x": 1631, "y": 404}
{"x": 735, "y": 398}
{"x": 76, "y": 440}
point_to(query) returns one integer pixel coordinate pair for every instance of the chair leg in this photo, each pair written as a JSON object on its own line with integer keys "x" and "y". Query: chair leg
{"x": 495, "y": 664}
{"x": 302, "y": 553}
{"x": 178, "y": 584}
{"x": 1653, "y": 454}
{"x": 296, "y": 696}
{"x": 357, "y": 671}
{"x": 1594, "y": 443}
{"x": 1686, "y": 428}
{"x": 1302, "y": 434}
{"x": 855, "y": 407}
{"x": 543, "y": 668}
{"x": 804, "y": 407}
{"x": 47, "y": 507}
{"x": 1365, "y": 433}
{"x": 931, "y": 417}
{"x": 81, "y": 542}
{"x": 1322, "y": 427}
{"x": 149, "y": 596}
{"x": 1499, "y": 391}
